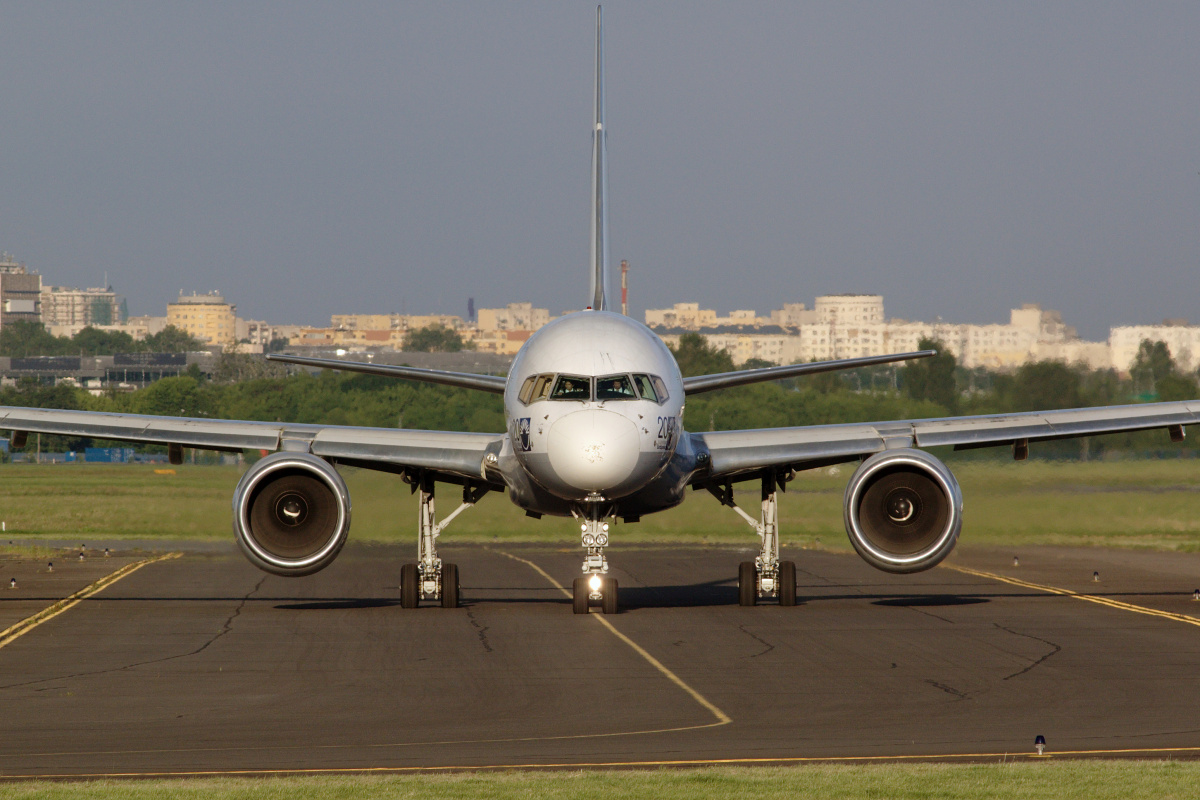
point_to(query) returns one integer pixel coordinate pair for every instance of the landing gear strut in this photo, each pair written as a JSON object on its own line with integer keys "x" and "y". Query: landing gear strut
{"x": 431, "y": 578}
{"x": 765, "y": 576}
{"x": 594, "y": 586}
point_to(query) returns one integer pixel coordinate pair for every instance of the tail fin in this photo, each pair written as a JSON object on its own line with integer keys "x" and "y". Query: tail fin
{"x": 599, "y": 181}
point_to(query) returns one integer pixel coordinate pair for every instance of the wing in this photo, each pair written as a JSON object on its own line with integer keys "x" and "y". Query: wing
{"x": 726, "y": 380}
{"x": 449, "y": 453}
{"x": 732, "y": 453}
{"x": 465, "y": 380}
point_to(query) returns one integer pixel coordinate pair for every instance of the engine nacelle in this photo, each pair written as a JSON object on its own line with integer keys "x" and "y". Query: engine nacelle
{"x": 903, "y": 510}
{"x": 291, "y": 514}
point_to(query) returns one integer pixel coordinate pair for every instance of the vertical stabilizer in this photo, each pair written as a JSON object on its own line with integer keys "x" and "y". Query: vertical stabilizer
{"x": 599, "y": 299}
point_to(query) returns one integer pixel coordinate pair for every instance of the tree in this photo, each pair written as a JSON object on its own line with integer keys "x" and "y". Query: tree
{"x": 1152, "y": 365}
{"x": 173, "y": 340}
{"x": 933, "y": 378}
{"x": 696, "y": 357}
{"x": 433, "y": 339}
{"x": 20, "y": 339}
{"x": 93, "y": 342}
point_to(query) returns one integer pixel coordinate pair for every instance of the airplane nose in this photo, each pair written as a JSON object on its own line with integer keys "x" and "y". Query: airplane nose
{"x": 593, "y": 450}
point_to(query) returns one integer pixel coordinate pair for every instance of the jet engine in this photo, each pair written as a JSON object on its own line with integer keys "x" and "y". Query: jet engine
{"x": 291, "y": 514}
{"x": 903, "y": 511}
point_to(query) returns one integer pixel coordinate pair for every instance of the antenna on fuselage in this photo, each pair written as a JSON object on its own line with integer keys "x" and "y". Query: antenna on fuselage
{"x": 599, "y": 181}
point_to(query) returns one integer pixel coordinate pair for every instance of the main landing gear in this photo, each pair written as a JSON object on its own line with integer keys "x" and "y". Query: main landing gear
{"x": 765, "y": 576}
{"x": 594, "y": 587}
{"x": 431, "y": 578}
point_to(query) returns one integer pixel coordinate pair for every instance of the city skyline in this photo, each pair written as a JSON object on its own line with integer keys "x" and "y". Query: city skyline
{"x": 367, "y": 157}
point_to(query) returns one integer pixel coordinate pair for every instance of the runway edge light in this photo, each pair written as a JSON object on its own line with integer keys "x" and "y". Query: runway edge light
{"x": 1040, "y": 744}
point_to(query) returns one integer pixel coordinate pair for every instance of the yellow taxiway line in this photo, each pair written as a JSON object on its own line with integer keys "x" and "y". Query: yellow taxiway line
{"x": 1091, "y": 598}
{"x": 14, "y": 632}
{"x": 721, "y": 716}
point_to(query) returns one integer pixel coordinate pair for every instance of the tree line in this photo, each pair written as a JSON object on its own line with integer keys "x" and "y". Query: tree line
{"x": 22, "y": 339}
{"x": 247, "y": 387}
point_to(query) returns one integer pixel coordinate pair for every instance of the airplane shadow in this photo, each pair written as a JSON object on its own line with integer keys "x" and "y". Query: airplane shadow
{"x": 931, "y": 600}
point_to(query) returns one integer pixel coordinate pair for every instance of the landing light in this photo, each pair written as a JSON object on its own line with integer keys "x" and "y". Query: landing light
{"x": 604, "y": 527}
{"x": 583, "y": 528}
{"x": 588, "y": 540}
{"x": 594, "y": 583}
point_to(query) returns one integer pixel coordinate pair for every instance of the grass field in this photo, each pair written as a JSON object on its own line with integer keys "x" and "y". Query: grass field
{"x": 1073, "y": 780}
{"x": 1149, "y": 504}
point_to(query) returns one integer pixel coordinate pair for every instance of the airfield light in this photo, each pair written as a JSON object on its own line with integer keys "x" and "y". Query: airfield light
{"x": 12, "y": 584}
{"x": 594, "y": 583}
{"x": 106, "y": 553}
{"x": 1196, "y": 595}
{"x": 1040, "y": 744}
{"x": 81, "y": 555}
{"x": 1095, "y": 576}
{"x": 50, "y": 567}
{"x": 1016, "y": 562}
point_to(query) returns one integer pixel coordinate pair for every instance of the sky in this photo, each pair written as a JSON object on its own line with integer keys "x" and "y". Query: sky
{"x": 309, "y": 159}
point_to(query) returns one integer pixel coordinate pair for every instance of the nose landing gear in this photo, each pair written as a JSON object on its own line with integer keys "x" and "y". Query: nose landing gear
{"x": 594, "y": 587}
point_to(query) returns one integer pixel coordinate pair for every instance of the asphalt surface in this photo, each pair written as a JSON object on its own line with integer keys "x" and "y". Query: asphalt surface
{"x": 202, "y": 663}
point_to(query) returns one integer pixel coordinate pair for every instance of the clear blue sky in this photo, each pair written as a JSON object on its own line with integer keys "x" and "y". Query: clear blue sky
{"x": 310, "y": 159}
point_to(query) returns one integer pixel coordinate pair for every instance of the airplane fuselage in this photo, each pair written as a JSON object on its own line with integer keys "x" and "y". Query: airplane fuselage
{"x": 594, "y": 411}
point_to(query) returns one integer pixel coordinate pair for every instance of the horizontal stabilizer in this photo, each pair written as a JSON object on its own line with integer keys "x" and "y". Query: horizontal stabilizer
{"x": 725, "y": 380}
{"x": 465, "y": 380}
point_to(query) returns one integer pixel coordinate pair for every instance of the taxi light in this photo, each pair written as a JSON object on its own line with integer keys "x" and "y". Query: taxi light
{"x": 594, "y": 583}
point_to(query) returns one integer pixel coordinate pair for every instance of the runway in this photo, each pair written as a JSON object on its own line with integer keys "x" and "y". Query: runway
{"x": 203, "y": 664}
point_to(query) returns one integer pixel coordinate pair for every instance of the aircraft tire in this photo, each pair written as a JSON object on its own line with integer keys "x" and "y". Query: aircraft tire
{"x": 579, "y": 598}
{"x": 449, "y": 585}
{"x": 609, "y": 604}
{"x": 410, "y": 586}
{"x": 787, "y": 583}
{"x": 747, "y": 584}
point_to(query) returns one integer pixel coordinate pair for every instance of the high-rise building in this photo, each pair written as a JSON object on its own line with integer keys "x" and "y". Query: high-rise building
{"x": 79, "y": 308}
{"x": 20, "y": 292}
{"x": 206, "y": 317}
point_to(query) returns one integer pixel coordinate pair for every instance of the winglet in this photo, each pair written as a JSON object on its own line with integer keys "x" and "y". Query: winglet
{"x": 599, "y": 264}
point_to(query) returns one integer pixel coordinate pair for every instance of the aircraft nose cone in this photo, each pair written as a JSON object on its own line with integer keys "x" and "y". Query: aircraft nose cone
{"x": 593, "y": 450}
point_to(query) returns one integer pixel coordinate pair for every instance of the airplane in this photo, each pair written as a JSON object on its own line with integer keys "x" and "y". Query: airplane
{"x": 594, "y": 409}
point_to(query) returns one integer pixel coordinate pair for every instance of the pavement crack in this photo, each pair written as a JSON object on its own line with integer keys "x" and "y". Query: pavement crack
{"x": 225, "y": 628}
{"x": 759, "y": 639}
{"x": 1055, "y": 651}
{"x": 480, "y": 631}
{"x": 948, "y": 689}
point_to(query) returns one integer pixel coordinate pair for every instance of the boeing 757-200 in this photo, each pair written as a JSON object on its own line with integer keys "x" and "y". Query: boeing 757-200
{"x": 594, "y": 410}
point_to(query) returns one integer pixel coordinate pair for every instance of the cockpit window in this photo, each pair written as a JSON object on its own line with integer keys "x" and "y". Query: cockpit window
{"x": 614, "y": 387}
{"x": 572, "y": 387}
{"x": 526, "y": 389}
{"x": 660, "y": 388}
{"x": 645, "y": 387}
{"x": 541, "y": 387}
{"x": 535, "y": 387}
